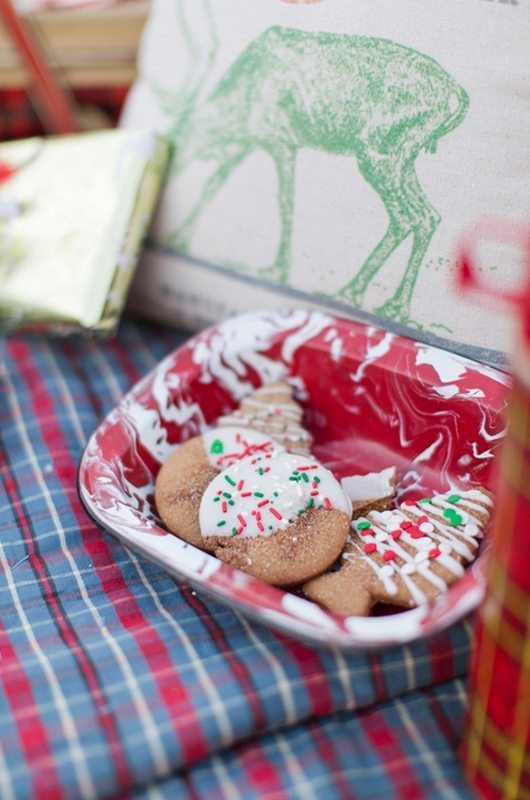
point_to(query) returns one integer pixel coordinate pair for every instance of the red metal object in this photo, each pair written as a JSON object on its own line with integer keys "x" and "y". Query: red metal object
{"x": 496, "y": 749}
{"x": 6, "y": 172}
{"x": 500, "y": 231}
{"x": 53, "y": 101}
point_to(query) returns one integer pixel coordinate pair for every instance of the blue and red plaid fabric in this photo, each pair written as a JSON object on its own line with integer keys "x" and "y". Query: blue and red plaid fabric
{"x": 117, "y": 682}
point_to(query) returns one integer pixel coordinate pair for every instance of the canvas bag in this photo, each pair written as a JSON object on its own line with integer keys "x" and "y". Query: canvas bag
{"x": 330, "y": 153}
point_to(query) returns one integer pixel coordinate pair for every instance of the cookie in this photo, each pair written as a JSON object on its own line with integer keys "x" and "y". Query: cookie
{"x": 372, "y": 492}
{"x": 272, "y": 410}
{"x": 183, "y": 478}
{"x": 407, "y": 556}
{"x": 281, "y": 517}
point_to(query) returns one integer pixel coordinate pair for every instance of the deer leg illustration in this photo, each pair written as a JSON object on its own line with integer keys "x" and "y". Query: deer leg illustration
{"x": 182, "y": 237}
{"x": 425, "y": 220}
{"x": 285, "y": 161}
{"x": 385, "y": 177}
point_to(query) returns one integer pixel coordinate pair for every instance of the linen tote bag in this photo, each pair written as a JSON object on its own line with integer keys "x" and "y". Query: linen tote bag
{"x": 330, "y": 153}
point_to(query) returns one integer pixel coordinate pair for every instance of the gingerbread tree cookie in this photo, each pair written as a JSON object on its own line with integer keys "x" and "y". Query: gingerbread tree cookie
{"x": 406, "y": 556}
{"x": 272, "y": 410}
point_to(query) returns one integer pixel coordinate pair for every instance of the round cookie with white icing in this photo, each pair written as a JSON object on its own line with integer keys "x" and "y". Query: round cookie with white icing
{"x": 183, "y": 478}
{"x": 406, "y": 556}
{"x": 282, "y": 518}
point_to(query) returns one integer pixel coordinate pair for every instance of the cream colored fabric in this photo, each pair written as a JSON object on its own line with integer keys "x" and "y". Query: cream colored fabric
{"x": 332, "y": 153}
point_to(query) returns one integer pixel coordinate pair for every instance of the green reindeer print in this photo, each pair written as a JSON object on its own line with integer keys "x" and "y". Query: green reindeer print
{"x": 368, "y": 98}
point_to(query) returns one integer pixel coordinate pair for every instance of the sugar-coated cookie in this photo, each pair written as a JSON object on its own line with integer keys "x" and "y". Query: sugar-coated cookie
{"x": 281, "y": 517}
{"x": 372, "y": 492}
{"x": 406, "y": 556}
{"x": 272, "y": 410}
{"x": 183, "y": 478}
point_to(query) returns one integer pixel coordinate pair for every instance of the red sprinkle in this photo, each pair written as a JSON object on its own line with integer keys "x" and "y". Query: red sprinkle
{"x": 239, "y": 529}
{"x": 405, "y": 525}
{"x": 242, "y": 520}
{"x": 246, "y": 494}
{"x": 367, "y": 532}
{"x": 314, "y": 485}
{"x": 371, "y": 547}
{"x": 314, "y": 494}
{"x": 240, "y": 485}
{"x": 396, "y": 534}
{"x": 262, "y": 503}
{"x": 258, "y": 515}
{"x": 224, "y": 506}
{"x": 408, "y": 503}
{"x": 260, "y": 526}
{"x": 415, "y": 532}
{"x": 327, "y": 502}
{"x": 266, "y": 469}
{"x": 421, "y": 520}
{"x": 389, "y": 555}
{"x": 434, "y": 553}
{"x": 220, "y": 491}
{"x": 275, "y": 513}
{"x": 311, "y": 466}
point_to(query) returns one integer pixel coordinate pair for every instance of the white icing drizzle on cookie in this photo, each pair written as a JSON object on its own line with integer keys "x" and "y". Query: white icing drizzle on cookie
{"x": 279, "y": 418}
{"x": 259, "y": 495}
{"x": 432, "y": 540}
{"x": 224, "y": 447}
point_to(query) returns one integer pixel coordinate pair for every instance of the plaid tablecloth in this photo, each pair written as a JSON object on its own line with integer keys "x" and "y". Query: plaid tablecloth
{"x": 117, "y": 682}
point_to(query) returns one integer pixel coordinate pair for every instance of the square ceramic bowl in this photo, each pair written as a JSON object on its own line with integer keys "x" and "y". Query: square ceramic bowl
{"x": 371, "y": 399}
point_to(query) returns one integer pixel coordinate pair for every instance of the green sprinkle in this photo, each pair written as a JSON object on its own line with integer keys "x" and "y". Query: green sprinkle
{"x": 260, "y": 471}
{"x": 309, "y": 502}
{"x": 316, "y": 478}
{"x": 362, "y": 526}
{"x": 304, "y": 477}
{"x": 234, "y": 531}
{"x": 454, "y": 498}
{"x": 258, "y": 494}
{"x": 231, "y": 503}
{"x": 217, "y": 446}
{"x": 270, "y": 527}
{"x": 229, "y": 480}
{"x": 223, "y": 522}
{"x": 453, "y": 516}
{"x": 300, "y": 510}
{"x": 227, "y": 494}
{"x": 216, "y": 499}
{"x": 275, "y": 494}
{"x": 295, "y": 472}
{"x": 293, "y": 478}
{"x": 425, "y": 500}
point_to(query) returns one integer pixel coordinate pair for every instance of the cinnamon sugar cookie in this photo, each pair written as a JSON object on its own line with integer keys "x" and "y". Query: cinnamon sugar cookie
{"x": 282, "y": 518}
{"x": 183, "y": 478}
{"x": 406, "y": 556}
